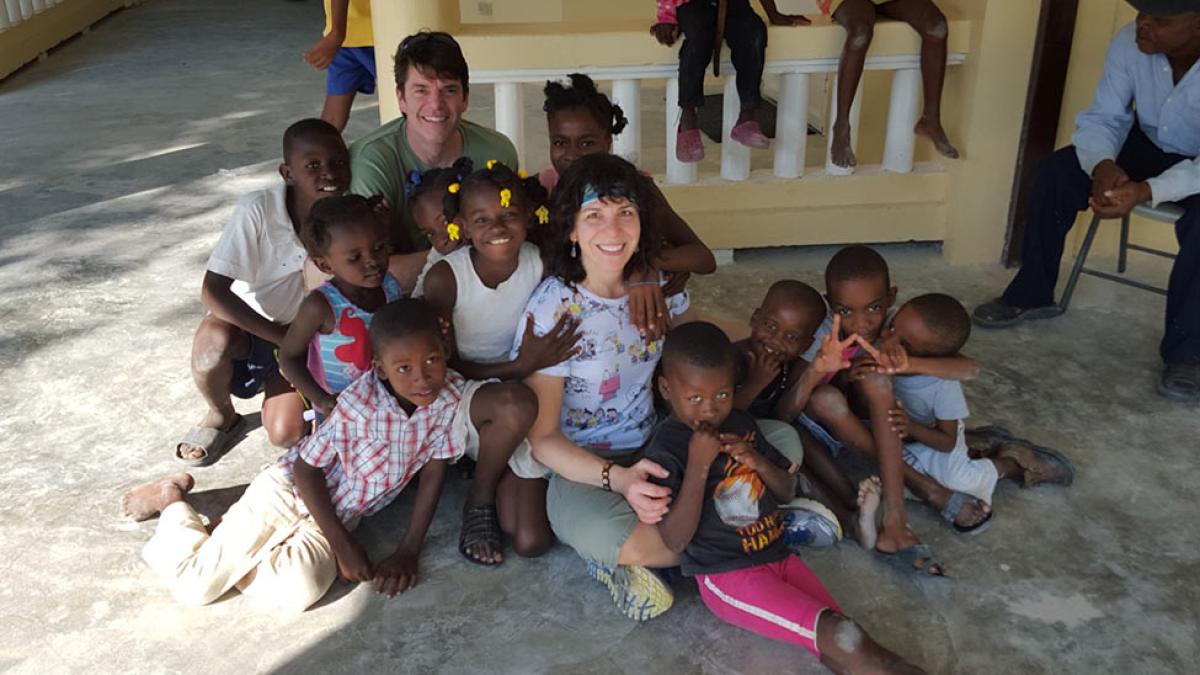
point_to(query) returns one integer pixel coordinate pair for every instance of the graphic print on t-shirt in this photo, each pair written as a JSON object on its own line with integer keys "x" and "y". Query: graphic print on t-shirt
{"x": 736, "y": 499}
{"x": 356, "y": 351}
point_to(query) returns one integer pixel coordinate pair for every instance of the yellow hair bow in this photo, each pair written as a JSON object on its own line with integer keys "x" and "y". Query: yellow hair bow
{"x": 453, "y": 188}
{"x": 505, "y": 198}
{"x": 452, "y": 230}
{"x": 543, "y": 214}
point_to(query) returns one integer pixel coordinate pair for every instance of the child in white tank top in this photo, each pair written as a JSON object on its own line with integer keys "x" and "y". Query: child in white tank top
{"x": 483, "y": 288}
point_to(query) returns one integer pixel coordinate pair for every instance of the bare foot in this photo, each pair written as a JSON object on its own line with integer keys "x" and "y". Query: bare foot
{"x": 869, "y": 492}
{"x": 839, "y": 150}
{"x": 895, "y": 536}
{"x": 934, "y": 132}
{"x": 149, "y": 499}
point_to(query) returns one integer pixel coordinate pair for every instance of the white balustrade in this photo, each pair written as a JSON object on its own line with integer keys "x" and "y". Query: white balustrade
{"x": 628, "y": 95}
{"x": 26, "y": 9}
{"x": 3, "y": 16}
{"x": 39, "y": 6}
{"x": 791, "y": 126}
{"x": 510, "y": 116}
{"x": 902, "y": 116}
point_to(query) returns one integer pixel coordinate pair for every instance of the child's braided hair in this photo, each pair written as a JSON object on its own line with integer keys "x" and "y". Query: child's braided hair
{"x": 582, "y": 93}
{"x": 437, "y": 180}
{"x": 501, "y": 177}
{"x": 329, "y": 213}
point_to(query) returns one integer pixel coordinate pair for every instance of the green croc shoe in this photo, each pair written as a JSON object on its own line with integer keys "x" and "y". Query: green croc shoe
{"x": 640, "y": 594}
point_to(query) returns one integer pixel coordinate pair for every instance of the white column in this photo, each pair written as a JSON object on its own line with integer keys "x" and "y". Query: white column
{"x": 791, "y": 126}
{"x": 510, "y": 117}
{"x": 831, "y": 168}
{"x": 26, "y": 9}
{"x": 677, "y": 171}
{"x": 628, "y": 143}
{"x": 3, "y": 16}
{"x": 902, "y": 115}
{"x": 735, "y": 157}
{"x": 39, "y": 6}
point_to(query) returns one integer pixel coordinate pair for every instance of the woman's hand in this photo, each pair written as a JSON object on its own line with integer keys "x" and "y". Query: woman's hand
{"x": 648, "y": 500}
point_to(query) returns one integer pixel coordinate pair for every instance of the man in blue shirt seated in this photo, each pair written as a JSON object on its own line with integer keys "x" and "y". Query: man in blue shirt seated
{"x": 1138, "y": 142}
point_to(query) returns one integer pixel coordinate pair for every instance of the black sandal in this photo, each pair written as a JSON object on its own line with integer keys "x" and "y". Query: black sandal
{"x": 481, "y": 525}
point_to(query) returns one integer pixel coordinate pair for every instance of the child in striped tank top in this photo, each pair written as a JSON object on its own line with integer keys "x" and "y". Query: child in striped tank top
{"x": 327, "y": 346}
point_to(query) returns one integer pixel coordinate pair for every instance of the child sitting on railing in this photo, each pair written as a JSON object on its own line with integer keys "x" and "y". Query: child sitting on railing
{"x": 858, "y": 18}
{"x": 703, "y": 24}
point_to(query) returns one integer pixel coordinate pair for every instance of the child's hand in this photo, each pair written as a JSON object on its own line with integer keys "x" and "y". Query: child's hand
{"x": 647, "y": 305}
{"x": 899, "y": 421}
{"x": 326, "y": 404}
{"x": 862, "y": 367}
{"x": 781, "y": 19}
{"x": 829, "y": 359}
{"x": 321, "y": 54}
{"x": 676, "y": 283}
{"x": 352, "y": 562}
{"x": 665, "y": 33}
{"x": 763, "y": 368}
{"x": 891, "y": 359}
{"x": 741, "y": 449}
{"x": 381, "y": 208}
{"x": 705, "y": 445}
{"x": 396, "y": 573}
{"x": 557, "y": 345}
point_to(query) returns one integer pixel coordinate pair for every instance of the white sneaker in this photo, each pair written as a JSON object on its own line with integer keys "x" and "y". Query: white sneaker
{"x": 809, "y": 523}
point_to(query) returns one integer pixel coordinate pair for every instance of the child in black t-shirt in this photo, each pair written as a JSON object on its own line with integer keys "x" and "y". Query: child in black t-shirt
{"x": 724, "y": 520}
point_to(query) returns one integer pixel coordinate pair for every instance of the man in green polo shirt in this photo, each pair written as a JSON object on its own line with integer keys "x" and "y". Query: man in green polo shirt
{"x": 432, "y": 88}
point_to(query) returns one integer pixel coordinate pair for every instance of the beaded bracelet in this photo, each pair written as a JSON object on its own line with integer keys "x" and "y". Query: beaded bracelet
{"x": 604, "y": 480}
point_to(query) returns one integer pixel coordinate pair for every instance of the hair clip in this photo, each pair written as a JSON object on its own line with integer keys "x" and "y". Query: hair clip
{"x": 505, "y": 198}
{"x": 414, "y": 179}
{"x": 453, "y": 188}
{"x": 522, "y": 174}
{"x": 452, "y": 231}
{"x": 546, "y": 106}
{"x": 491, "y": 163}
{"x": 543, "y": 214}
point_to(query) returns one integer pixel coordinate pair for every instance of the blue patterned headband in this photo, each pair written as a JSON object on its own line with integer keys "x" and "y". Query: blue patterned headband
{"x": 590, "y": 195}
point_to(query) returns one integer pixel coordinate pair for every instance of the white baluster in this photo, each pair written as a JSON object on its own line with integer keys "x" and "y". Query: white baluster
{"x": 510, "y": 117}
{"x": 39, "y": 6}
{"x": 26, "y": 9}
{"x": 735, "y": 157}
{"x": 628, "y": 143}
{"x": 13, "y": 9}
{"x": 3, "y": 17}
{"x": 791, "y": 126}
{"x": 902, "y": 115}
{"x": 831, "y": 168}
{"x": 677, "y": 171}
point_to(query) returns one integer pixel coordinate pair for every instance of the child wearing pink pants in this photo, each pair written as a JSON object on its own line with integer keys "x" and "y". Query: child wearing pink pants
{"x": 726, "y": 486}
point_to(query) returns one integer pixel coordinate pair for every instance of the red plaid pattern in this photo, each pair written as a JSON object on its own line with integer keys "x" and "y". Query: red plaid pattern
{"x": 370, "y": 448}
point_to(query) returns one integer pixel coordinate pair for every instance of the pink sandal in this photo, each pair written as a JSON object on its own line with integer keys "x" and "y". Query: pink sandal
{"x": 688, "y": 146}
{"x": 749, "y": 134}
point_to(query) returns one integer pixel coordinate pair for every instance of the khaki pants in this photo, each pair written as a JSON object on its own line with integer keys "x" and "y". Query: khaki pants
{"x": 263, "y": 545}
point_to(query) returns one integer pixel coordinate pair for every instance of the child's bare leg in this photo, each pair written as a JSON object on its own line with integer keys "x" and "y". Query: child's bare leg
{"x": 829, "y": 407}
{"x": 645, "y": 547}
{"x": 149, "y": 499}
{"x": 858, "y": 18}
{"x": 930, "y": 24}
{"x": 522, "y": 506}
{"x": 846, "y": 648}
{"x": 283, "y": 413}
{"x": 895, "y": 535}
{"x": 337, "y": 109}
{"x": 216, "y": 345}
{"x": 502, "y": 413}
{"x": 820, "y": 464}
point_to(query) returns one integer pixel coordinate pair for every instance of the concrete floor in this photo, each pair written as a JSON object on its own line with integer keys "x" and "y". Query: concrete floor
{"x": 122, "y": 157}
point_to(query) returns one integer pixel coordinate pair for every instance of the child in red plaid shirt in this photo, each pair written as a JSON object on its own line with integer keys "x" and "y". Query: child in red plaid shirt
{"x": 289, "y": 535}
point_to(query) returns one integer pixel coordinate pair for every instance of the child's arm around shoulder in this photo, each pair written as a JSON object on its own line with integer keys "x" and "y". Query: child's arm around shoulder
{"x": 398, "y": 572}
{"x": 678, "y": 526}
{"x": 315, "y": 316}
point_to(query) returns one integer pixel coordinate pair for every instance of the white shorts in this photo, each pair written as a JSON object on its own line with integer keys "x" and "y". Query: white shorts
{"x": 466, "y": 435}
{"x": 955, "y": 469}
